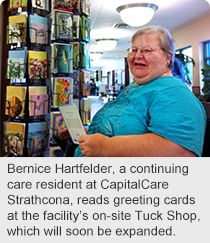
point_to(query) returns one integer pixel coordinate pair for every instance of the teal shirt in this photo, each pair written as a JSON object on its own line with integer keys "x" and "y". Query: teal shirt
{"x": 164, "y": 106}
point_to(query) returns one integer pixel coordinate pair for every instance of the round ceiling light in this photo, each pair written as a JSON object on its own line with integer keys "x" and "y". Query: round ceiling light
{"x": 106, "y": 44}
{"x": 94, "y": 56}
{"x": 137, "y": 14}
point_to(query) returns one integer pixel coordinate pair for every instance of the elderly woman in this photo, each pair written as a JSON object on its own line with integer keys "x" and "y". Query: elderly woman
{"x": 156, "y": 115}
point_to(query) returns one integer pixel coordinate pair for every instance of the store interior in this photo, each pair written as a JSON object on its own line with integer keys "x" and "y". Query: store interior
{"x": 187, "y": 20}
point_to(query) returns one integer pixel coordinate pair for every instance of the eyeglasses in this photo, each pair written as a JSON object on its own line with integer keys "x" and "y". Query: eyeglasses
{"x": 144, "y": 51}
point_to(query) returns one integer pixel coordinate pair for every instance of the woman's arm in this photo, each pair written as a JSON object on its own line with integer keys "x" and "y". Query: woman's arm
{"x": 146, "y": 145}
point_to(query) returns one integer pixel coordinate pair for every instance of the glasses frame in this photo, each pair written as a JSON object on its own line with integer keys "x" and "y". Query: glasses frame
{"x": 142, "y": 50}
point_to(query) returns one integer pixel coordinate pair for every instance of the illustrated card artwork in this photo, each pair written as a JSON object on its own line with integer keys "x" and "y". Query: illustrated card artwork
{"x": 16, "y": 64}
{"x": 15, "y": 99}
{"x": 17, "y": 29}
{"x": 14, "y": 137}
{"x": 17, "y": 4}
{"x": 62, "y": 55}
{"x": 38, "y": 29}
{"x": 63, "y": 91}
{"x": 15, "y": 68}
{"x": 38, "y": 67}
{"x": 63, "y": 24}
{"x": 40, "y": 4}
{"x": 37, "y": 137}
{"x": 39, "y": 105}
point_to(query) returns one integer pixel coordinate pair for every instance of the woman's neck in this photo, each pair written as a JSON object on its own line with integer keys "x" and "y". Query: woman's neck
{"x": 167, "y": 73}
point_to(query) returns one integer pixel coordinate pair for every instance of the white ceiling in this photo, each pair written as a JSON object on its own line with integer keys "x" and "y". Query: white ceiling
{"x": 171, "y": 14}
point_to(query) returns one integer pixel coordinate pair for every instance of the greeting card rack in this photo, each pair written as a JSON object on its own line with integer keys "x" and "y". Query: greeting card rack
{"x": 68, "y": 29}
{"x": 28, "y": 68}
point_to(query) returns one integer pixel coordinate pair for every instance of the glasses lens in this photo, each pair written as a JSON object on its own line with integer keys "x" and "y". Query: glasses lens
{"x": 147, "y": 51}
{"x": 132, "y": 52}
{"x": 144, "y": 51}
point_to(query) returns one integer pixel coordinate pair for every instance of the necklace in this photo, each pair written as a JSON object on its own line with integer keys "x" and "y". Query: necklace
{"x": 133, "y": 88}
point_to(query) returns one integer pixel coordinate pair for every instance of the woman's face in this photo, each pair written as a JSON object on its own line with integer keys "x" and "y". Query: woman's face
{"x": 149, "y": 67}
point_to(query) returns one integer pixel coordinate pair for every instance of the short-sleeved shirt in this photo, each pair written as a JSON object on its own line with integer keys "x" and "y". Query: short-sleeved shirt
{"x": 164, "y": 106}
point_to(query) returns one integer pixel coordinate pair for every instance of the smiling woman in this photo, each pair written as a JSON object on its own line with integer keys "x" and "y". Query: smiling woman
{"x": 148, "y": 117}
{"x": 151, "y": 55}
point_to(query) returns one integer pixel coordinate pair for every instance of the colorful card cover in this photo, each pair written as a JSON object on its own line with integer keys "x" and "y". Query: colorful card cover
{"x": 76, "y": 80}
{"x": 57, "y": 124}
{"x": 63, "y": 24}
{"x": 37, "y": 137}
{"x": 85, "y": 79}
{"x": 86, "y": 110}
{"x": 40, "y": 4}
{"x": 17, "y": 29}
{"x": 39, "y": 29}
{"x": 85, "y": 7}
{"x": 39, "y": 105}
{"x": 13, "y": 142}
{"x": 14, "y": 137}
{"x": 17, "y": 3}
{"x": 76, "y": 26}
{"x": 73, "y": 122}
{"x": 35, "y": 90}
{"x": 15, "y": 101}
{"x": 16, "y": 64}
{"x": 38, "y": 66}
{"x": 75, "y": 54}
{"x": 15, "y": 68}
{"x": 85, "y": 29}
{"x": 62, "y": 58}
{"x": 63, "y": 3}
{"x": 62, "y": 91}
{"x": 82, "y": 54}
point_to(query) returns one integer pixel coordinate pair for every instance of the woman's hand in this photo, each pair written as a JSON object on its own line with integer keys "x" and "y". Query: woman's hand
{"x": 65, "y": 134}
{"x": 94, "y": 145}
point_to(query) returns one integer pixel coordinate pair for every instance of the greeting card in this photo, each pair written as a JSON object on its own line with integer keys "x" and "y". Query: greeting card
{"x": 76, "y": 26}
{"x": 14, "y": 137}
{"x": 38, "y": 65}
{"x": 17, "y": 29}
{"x": 16, "y": 64}
{"x": 39, "y": 29}
{"x": 86, "y": 110}
{"x": 40, "y": 4}
{"x": 85, "y": 29}
{"x": 17, "y": 3}
{"x": 85, "y": 79}
{"x": 39, "y": 104}
{"x": 37, "y": 137}
{"x": 57, "y": 124}
{"x": 76, "y": 80}
{"x": 62, "y": 58}
{"x": 63, "y": 91}
{"x": 63, "y": 3}
{"x": 63, "y": 24}
{"x": 15, "y": 101}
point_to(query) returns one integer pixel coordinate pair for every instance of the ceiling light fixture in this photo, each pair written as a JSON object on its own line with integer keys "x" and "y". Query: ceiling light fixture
{"x": 137, "y": 14}
{"x": 94, "y": 56}
{"x": 208, "y": 1}
{"x": 107, "y": 44}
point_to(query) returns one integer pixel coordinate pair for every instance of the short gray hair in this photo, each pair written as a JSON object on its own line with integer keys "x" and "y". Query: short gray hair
{"x": 166, "y": 41}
